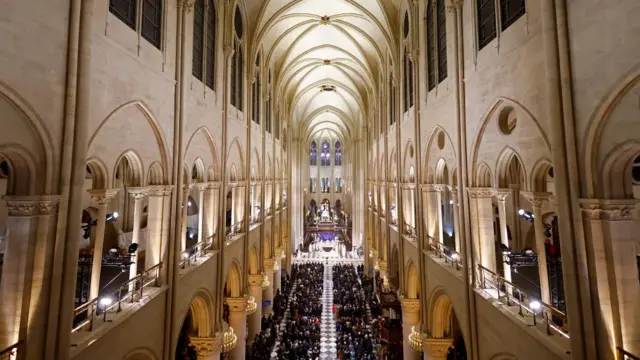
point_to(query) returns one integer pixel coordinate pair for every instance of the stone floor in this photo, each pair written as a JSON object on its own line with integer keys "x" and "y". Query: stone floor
{"x": 328, "y": 323}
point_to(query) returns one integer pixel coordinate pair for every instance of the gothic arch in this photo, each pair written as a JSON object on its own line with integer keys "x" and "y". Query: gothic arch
{"x": 235, "y": 159}
{"x": 483, "y": 176}
{"x": 444, "y": 149}
{"x": 506, "y": 167}
{"x": 408, "y": 160}
{"x": 413, "y": 281}
{"x": 529, "y": 148}
{"x": 201, "y": 308}
{"x": 233, "y": 284}
{"x": 98, "y": 173}
{"x": 133, "y": 159}
{"x": 35, "y": 151}
{"x": 599, "y": 182}
{"x": 126, "y": 116}
{"x": 200, "y": 145}
{"x": 154, "y": 174}
{"x": 254, "y": 263}
{"x": 440, "y": 314}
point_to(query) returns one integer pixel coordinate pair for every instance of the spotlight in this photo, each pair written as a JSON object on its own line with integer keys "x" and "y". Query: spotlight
{"x": 191, "y": 234}
{"x": 535, "y": 305}
{"x": 132, "y": 249}
{"x": 105, "y": 302}
{"x": 450, "y": 202}
{"x": 454, "y": 256}
{"x": 114, "y": 251}
{"x": 189, "y": 203}
{"x": 505, "y": 249}
{"x": 112, "y": 217}
{"x": 521, "y": 212}
{"x": 115, "y": 214}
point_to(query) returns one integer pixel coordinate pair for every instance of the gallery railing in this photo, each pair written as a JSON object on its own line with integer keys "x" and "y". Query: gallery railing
{"x": 555, "y": 320}
{"x": 11, "y": 352}
{"x": 450, "y": 256}
{"x": 191, "y": 255}
{"x": 84, "y": 316}
{"x": 625, "y": 355}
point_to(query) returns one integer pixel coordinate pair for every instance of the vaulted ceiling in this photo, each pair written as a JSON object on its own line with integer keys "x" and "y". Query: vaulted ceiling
{"x": 326, "y": 56}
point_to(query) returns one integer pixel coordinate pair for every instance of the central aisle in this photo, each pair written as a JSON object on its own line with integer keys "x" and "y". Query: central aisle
{"x": 328, "y": 330}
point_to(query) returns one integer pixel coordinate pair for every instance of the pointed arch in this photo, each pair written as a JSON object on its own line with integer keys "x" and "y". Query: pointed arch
{"x": 201, "y": 142}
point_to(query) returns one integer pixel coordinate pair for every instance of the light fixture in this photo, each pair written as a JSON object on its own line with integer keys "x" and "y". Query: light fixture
{"x": 450, "y": 202}
{"x": 188, "y": 203}
{"x": 105, "y": 302}
{"x": 521, "y": 212}
{"x": 454, "y": 256}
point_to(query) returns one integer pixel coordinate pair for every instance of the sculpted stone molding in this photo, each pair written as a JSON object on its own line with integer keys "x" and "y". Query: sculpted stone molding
{"x": 382, "y": 264}
{"x": 481, "y": 193}
{"x": 256, "y": 280}
{"x": 19, "y": 206}
{"x": 411, "y": 306}
{"x": 610, "y": 210}
{"x": 537, "y": 199}
{"x": 159, "y": 190}
{"x": 433, "y": 187}
{"x": 436, "y": 348}
{"x": 237, "y": 304}
{"x": 325, "y": 20}
{"x": 205, "y": 346}
{"x": 103, "y": 197}
{"x": 187, "y": 5}
{"x": 228, "y": 51}
{"x": 502, "y": 194}
{"x": 138, "y": 193}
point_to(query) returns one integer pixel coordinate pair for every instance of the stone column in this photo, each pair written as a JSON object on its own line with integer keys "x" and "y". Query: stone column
{"x": 267, "y": 294}
{"x": 434, "y": 211}
{"x": 501, "y": 197}
{"x": 185, "y": 207}
{"x": 201, "y": 211}
{"x": 481, "y": 212}
{"x": 207, "y": 348}
{"x": 410, "y": 318}
{"x": 102, "y": 198}
{"x": 24, "y": 276}
{"x": 238, "y": 321}
{"x": 456, "y": 219}
{"x": 436, "y": 349}
{"x": 612, "y": 227}
{"x": 277, "y": 271}
{"x": 255, "y": 319}
{"x": 157, "y": 219}
{"x": 138, "y": 195}
{"x": 209, "y": 213}
{"x": 538, "y": 200}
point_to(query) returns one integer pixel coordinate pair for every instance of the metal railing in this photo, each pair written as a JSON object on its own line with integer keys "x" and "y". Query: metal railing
{"x": 451, "y": 256}
{"x": 84, "y": 316}
{"x": 622, "y": 355}
{"x": 554, "y": 319}
{"x": 190, "y": 255}
{"x": 234, "y": 229}
{"x": 11, "y": 352}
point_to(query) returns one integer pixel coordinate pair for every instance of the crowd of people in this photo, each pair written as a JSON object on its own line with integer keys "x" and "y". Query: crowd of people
{"x": 301, "y": 336}
{"x": 355, "y": 339}
{"x": 263, "y": 342}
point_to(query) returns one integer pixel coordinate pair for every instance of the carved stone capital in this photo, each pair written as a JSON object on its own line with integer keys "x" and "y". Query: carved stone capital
{"x": 436, "y": 348}
{"x": 102, "y": 197}
{"x": 201, "y": 186}
{"x": 237, "y": 304}
{"x": 410, "y": 306}
{"x": 256, "y": 280}
{"x": 159, "y": 190}
{"x": 413, "y": 55}
{"x": 537, "y": 199}
{"x": 433, "y": 187}
{"x": 382, "y": 264}
{"x": 480, "y": 193}
{"x": 19, "y": 206}
{"x": 186, "y": 5}
{"x": 327, "y": 62}
{"x": 502, "y": 194}
{"x": 138, "y": 193}
{"x": 205, "y": 346}
{"x": 610, "y": 210}
{"x": 268, "y": 264}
